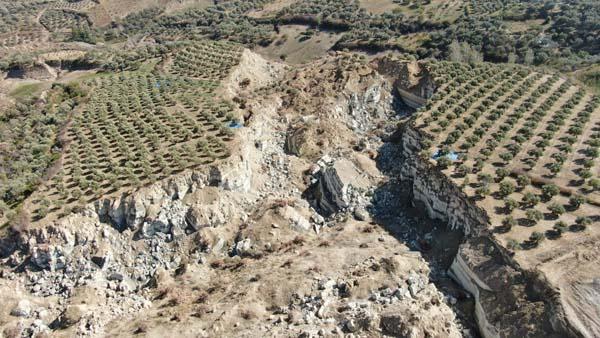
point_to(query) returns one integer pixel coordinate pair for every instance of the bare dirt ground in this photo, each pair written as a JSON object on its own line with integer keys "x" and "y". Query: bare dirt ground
{"x": 378, "y": 6}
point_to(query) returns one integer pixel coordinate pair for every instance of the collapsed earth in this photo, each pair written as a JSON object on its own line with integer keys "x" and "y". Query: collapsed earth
{"x": 315, "y": 168}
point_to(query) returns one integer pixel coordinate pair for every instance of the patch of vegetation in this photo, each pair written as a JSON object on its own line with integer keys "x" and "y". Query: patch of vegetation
{"x": 140, "y": 126}
{"x": 526, "y": 138}
{"x": 15, "y": 15}
{"x": 57, "y": 20}
{"x": 224, "y": 21}
{"x": 30, "y": 143}
{"x": 25, "y": 91}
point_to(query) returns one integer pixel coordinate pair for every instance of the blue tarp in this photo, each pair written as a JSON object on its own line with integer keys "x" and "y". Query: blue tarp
{"x": 452, "y": 155}
{"x": 235, "y": 125}
{"x": 158, "y": 84}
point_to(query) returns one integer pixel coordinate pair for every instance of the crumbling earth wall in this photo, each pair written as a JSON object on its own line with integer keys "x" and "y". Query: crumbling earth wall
{"x": 510, "y": 301}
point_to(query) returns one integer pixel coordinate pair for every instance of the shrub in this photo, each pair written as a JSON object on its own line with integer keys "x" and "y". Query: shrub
{"x": 576, "y": 201}
{"x": 533, "y": 215}
{"x": 556, "y": 209}
{"x": 560, "y": 227}
{"x": 510, "y": 204}
{"x": 506, "y": 188}
{"x": 530, "y": 200}
{"x": 550, "y": 190}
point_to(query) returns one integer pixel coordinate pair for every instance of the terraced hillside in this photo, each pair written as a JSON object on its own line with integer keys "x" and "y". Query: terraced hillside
{"x": 139, "y": 126}
{"x": 59, "y": 20}
{"x": 522, "y": 144}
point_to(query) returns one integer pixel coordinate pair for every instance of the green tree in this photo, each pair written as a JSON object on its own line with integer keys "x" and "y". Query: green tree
{"x": 483, "y": 191}
{"x": 577, "y": 200}
{"x": 506, "y": 188}
{"x": 533, "y": 215}
{"x": 510, "y": 204}
{"x": 508, "y": 222}
{"x": 512, "y": 244}
{"x": 523, "y": 181}
{"x": 83, "y": 35}
{"x": 501, "y": 173}
{"x": 585, "y": 174}
{"x": 560, "y": 227}
{"x": 594, "y": 184}
{"x": 462, "y": 170}
{"x": 43, "y": 208}
{"x": 550, "y": 190}
{"x": 506, "y": 157}
{"x": 484, "y": 178}
{"x": 443, "y": 162}
{"x": 536, "y": 238}
{"x": 529, "y": 57}
{"x": 583, "y": 221}
{"x": 556, "y": 209}
{"x": 529, "y": 200}
{"x": 76, "y": 193}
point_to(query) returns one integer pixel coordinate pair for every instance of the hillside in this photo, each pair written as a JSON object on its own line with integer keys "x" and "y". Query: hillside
{"x": 513, "y": 160}
{"x": 313, "y": 168}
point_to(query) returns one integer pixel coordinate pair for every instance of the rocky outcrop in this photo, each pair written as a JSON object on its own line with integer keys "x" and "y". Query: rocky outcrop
{"x": 364, "y": 107}
{"x": 336, "y": 182}
{"x": 411, "y": 79}
{"x": 117, "y": 245}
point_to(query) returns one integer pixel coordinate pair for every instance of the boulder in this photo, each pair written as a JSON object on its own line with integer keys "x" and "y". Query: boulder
{"x": 334, "y": 184}
{"x": 23, "y": 309}
{"x": 243, "y": 247}
{"x": 171, "y": 219}
{"x": 392, "y": 324}
{"x": 297, "y": 221}
{"x": 361, "y": 214}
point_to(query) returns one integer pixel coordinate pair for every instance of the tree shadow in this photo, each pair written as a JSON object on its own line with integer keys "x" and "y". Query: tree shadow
{"x": 529, "y": 244}
{"x": 577, "y": 228}
{"x": 501, "y": 210}
{"x": 552, "y": 234}
{"x": 525, "y": 222}
{"x": 502, "y": 229}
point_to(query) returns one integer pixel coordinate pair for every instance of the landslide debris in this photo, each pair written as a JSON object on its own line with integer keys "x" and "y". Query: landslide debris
{"x": 242, "y": 248}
